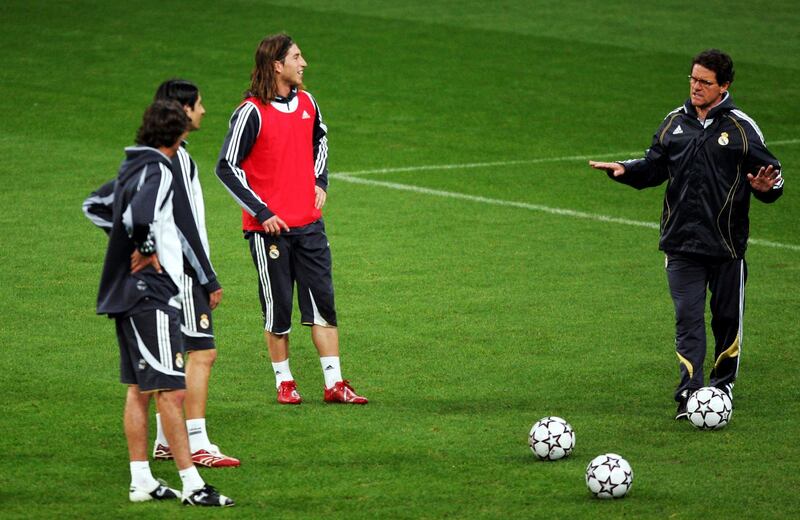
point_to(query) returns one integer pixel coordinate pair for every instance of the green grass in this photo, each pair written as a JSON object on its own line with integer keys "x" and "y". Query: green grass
{"x": 463, "y": 321}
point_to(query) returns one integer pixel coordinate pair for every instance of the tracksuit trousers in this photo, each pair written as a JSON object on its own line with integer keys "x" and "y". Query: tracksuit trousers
{"x": 689, "y": 275}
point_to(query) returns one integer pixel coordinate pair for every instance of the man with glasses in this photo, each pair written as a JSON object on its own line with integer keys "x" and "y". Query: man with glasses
{"x": 713, "y": 157}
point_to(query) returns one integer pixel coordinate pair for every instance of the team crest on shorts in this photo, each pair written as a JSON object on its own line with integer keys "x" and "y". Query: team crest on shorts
{"x": 723, "y": 139}
{"x": 204, "y": 323}
{"x": 273, "y": 252}
{"x": 142, "y": 364}
{"x": 179, "y": 360}
{"x": 141, "y": 285}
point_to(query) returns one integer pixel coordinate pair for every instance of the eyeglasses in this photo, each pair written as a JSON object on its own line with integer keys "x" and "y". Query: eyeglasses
{"x": 703, "y": 82}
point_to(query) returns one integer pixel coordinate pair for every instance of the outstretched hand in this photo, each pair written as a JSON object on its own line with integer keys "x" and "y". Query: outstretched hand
{"x": 613, "y": 168}
{"x": 765, "y": 179}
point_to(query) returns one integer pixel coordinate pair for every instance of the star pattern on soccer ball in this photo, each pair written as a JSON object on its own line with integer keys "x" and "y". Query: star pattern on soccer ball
{"x": 710, "y": 408}
{"x": 606, "y": 486}
{"x": 551, "y": 438}
{"x": 552, "y": 441}
{"x": 704, "y": 407}
{"x": 617, "y": 474}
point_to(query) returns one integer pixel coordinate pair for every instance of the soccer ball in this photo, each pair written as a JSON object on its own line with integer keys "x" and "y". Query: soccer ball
{"x": 551, "y": 438}
{"x": 709, "y": 408}
{"x": 609, "y": 476}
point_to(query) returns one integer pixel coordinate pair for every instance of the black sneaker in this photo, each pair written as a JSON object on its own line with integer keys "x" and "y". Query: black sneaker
{"x": 728, "y": 389}
{"x": 162, "y": 492}
{"x": 681, "y": 414}
{"x": 207, "y": 496}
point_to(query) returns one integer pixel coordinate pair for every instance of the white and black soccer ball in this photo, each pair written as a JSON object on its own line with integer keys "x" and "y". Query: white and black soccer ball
{"x": 551, "y": 438}
{"x": 609, "y": 476}
{"x": 709, "y": 408}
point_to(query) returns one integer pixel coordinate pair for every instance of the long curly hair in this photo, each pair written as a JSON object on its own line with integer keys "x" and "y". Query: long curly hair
{"x": 263, "y": 81}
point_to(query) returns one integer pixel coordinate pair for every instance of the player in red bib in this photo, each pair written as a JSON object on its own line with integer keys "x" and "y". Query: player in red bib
{"x": 274, "y": 164}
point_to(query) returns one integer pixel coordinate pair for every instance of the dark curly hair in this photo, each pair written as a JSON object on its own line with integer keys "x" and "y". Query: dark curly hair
{"x": 719, "y": 62}
{"x": 163, "y": 123}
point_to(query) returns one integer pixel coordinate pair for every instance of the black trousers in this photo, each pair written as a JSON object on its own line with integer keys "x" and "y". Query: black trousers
{"x": 689, "y": 277}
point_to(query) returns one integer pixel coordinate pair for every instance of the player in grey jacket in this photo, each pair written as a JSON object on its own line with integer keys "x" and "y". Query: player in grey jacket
{"x": 140, "y": 289}
{"x": 713, "y": 158}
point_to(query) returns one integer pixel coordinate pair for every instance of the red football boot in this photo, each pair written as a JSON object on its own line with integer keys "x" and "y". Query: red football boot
{"x": 161, "y": 452}
{"x": 214, "y": 459}
{"x": 287, "y": 393}
{"x": 342, "y": 392}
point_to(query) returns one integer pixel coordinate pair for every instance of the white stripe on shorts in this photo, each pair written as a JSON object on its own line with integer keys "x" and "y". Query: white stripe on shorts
{"x": 151, "y": 360}
{"x": 318, "y": 319}
{"x": 164, "y": 346}
{"x": 266, "y": 288}
{"x": 189, "y": 321}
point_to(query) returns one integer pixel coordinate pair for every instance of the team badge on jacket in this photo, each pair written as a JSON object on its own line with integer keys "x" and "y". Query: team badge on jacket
{"x": 273, "y": 252}
{"x": 723, "y": 139}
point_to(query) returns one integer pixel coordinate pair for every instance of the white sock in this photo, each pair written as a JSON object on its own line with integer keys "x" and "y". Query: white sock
{"x": 141, "y": 476}
{"x": 198, "y": 437}
{"x": 331, "y": 370}
{"x": 192, "y": 481}
{"x": 282, "y": 372}
{"x": 160, "y": 438}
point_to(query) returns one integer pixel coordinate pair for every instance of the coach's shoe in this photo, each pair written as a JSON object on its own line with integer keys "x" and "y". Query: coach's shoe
{"x": 162, "y": 492}
{"x": 287, "y": 393}
{"x": 161, "y": 452}
{"x": 213, "y": 458}
{"x": 342, "y": 392}
{"x": 207, "y": 496}
{"x": 681, "y": 414}
{"x": 728, "y": 389}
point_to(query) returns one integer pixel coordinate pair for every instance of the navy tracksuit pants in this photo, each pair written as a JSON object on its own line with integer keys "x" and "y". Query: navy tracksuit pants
{"x": 689, "y": 276}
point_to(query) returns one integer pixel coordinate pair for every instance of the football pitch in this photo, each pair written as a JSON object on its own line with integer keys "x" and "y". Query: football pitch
{"x": 485, "y": 276}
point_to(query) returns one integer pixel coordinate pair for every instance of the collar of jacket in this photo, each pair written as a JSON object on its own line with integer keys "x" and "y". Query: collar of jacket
{"x": 725, "y": 106}
{"x": 286, "y": 99}
{"x": 136, "y": 157}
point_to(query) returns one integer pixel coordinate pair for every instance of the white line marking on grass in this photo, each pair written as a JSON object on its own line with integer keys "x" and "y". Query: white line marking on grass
{"x": 497, "y": 202}
{"x": 779, "y": 245}
{"x": 465, "y": 166}
{"x": 785, "y": 141}
{"x": 432, "y": 167}
{"x": 524, "y": 205}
